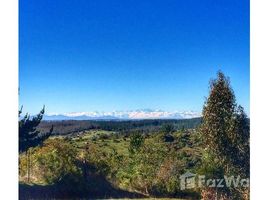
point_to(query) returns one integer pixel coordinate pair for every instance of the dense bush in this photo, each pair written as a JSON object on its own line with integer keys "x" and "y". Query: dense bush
{"x": 55, "y": 160}
{"x": 136, "y": 142}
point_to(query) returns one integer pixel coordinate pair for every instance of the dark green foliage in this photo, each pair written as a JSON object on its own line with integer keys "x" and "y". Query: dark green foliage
{"x": 104, "y": 137}
{"x": 136, "y": 141}
{"x": 168, "y": 129}
{"x": 29, "y": 136}
{"x": 184, "y": 139}
{"x": 168, "y": 138}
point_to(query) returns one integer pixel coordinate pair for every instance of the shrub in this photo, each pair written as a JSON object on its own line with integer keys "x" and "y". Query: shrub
{"x": 56, "y": 159}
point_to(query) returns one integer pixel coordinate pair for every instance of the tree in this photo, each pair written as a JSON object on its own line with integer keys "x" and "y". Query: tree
{"x": 217, "y": 115}
{"x": 29, "y": 136}
{"x": 136, "y": 142}
{"x": 145, "y": 163}
{"x": 225, "y": 130}
{"x": 240, "y": 135}
{"x": 167, "y": 129}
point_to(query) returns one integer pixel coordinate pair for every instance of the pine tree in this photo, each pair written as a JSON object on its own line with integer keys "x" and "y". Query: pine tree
{"x": 29, "y": 136}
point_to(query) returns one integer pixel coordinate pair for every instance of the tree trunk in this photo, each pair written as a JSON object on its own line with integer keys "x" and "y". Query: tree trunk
{"x": 28, "y": 156}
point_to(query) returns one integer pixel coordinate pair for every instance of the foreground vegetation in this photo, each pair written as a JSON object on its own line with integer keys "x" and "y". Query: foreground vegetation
{"x": 143, "y": 165}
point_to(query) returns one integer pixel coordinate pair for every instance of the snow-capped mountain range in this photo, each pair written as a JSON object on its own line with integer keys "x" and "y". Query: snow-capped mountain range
{"x": 124, "y": 115}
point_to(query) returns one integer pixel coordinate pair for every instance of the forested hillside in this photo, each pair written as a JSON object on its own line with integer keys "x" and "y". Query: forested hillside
{"x": 71, "y": 126}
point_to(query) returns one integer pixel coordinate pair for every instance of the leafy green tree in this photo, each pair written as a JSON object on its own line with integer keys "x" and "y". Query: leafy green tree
{"x": 145, "y": 165}
{"x": 217, "y": 115}
{"x": 225, "y": 131}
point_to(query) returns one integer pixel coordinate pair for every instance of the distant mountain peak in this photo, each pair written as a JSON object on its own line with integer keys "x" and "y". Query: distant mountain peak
{"x": 124, "y": 115}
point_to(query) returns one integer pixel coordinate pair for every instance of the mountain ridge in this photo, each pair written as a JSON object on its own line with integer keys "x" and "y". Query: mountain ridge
{"x": 124, "y": 115}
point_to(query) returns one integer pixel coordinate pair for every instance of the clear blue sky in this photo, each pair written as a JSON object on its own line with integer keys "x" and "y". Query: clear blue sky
{"x": 104, "y": 55}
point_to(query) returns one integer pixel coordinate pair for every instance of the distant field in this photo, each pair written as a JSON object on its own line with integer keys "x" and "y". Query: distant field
{"x": 106, "y": 145}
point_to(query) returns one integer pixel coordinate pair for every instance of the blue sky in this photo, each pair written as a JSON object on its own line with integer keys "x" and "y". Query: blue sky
{"x": 102, "y": 55}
